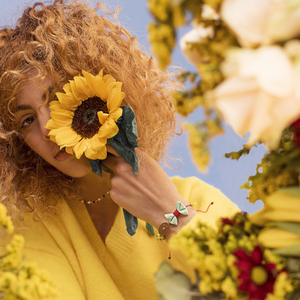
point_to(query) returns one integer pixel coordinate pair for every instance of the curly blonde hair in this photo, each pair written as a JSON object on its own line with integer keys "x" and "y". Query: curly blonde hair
{"x": 58, "y": 41}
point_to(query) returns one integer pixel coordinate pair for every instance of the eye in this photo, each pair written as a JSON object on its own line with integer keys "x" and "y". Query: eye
{"x": 28, "y": 121}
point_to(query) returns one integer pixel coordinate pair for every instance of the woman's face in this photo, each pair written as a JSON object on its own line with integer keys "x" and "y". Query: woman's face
{"x": 32, "y": 115}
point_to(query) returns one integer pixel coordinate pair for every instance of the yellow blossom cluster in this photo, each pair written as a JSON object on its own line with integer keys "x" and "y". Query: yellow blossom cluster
{"x": 282, "y": 286}
{"x": 20, "y": 280}
{"x": 162, "y": 30}
{"x": 28, "y": 283}
{"x": 184, "y": 106}
{"x": 199, "y": 137}
{"x": 160, "y": 9}
{"x": 198, "y": 146}
{"x": 162, "y": 39}
{"x": 13, "y": 257}
{"x": 5, "y": 220}
{"x": 211, "y": 253}
{"x": 208, "y": 51}
{"x": 266, "y": 185}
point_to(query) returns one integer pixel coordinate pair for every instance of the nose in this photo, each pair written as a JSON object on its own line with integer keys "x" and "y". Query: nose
{"x": 44, "y": 117}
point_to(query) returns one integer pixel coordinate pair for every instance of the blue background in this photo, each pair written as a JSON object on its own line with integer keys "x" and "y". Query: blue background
{"x": 225, "y": 174}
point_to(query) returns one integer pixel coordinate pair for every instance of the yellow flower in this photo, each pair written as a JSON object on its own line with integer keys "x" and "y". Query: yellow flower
{"x": 5, "y": 220}
{"x": 13, "y": 257}
{"x": 85, "y": 115}
{"x": 282, "y": 286}
{"x": 229, "y": 287}
{"x": 281, "y": 206}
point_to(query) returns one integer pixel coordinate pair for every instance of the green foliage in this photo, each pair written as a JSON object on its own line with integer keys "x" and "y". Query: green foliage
{"x": 293, "y": 251}
{"x": 279, "y": 168}
{"x": 237, "y": 155}
{"x": 172, "y": 284}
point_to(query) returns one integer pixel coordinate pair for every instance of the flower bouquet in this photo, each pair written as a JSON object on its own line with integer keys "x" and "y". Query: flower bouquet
{"x": 247, "y": 56}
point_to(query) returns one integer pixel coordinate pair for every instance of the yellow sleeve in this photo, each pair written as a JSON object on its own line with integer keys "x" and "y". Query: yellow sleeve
{"x": 201, "y": 194}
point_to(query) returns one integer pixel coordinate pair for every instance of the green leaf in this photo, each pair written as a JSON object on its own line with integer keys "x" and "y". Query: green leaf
{"x": 293, "y": 250}
{"x": 172, "y": 284}
{"x": 150, "y": 229}
{"x": 237, "y": 155}
{"x": 125, "y": 140}
{"x": 294, "y": 295}
{"x": 288, "y": 226}
{"x": 131, "y": 222}
{"x": 96, "y": 167}
{"x": 293, "y": 265}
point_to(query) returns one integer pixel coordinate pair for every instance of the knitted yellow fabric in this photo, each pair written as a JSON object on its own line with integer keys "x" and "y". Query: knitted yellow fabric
{"x": 69, "y": 247}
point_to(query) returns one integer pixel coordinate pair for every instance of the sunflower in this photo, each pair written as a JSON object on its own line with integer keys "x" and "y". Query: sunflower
{"x": 85, "y": 115}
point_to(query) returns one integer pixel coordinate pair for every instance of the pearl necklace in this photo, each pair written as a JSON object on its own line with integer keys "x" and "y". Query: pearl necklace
{"x": 95, "y": 201}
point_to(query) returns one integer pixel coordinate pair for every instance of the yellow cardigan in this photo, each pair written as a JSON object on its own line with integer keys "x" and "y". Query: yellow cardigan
{"x": 69, "y": 247}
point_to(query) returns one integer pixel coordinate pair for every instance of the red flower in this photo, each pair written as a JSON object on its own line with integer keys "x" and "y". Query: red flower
{"x": 296, "y": 130}
{"x": 257, "y": 278}
{"x": 227, "y": 221}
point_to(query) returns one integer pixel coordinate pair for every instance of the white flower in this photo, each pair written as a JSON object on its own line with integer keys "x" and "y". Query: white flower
{"x": 200, "y": 34}
{"x": 260, "y": 22}
{"x": 260, "y": 93}
{"x": 208, "y": 13}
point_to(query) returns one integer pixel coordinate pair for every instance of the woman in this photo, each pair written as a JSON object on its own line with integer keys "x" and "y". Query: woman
{"x": 71, "y": 217}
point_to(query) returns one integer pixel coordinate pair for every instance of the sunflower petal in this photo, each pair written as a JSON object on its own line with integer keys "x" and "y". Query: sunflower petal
{"x": 116, "y": 114}
{"x": 97, "y": 85}
{"x": 109, "y": 81}
{"x": 55, "y": 105}
{"x": 67, "y": 137}
{"x": 50, "y": 125}
{"x": 98, "y": 143}
{"x": 62, "y": 117}
{"x": 80, "y": 89}
{"x": 102, "y": 154}
{"x": 102, "y": 116}
{"x": 115, "y": 99}
{"x": 79, "y": 148}
{"x": 108, "y": 129}
{"x": 93, "y": 154}
{"x": 69, "y": 150}
{"x": 52, "y": 138}
{"x": 101, "y": 73}
{"x": 67, "y": 88}
{"x": 68, "y": 101}
{"x": 98, "y": 149}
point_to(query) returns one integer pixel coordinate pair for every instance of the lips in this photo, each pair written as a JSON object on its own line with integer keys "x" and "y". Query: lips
{"x": 59, "y": 152}
{"x": 55, "y": 151}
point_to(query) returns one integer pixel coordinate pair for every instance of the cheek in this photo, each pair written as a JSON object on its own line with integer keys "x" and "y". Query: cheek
{"x": 34, "y": 142}
{"x": 77, "y": 167}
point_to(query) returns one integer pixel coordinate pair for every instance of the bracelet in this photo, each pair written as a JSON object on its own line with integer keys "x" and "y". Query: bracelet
{"x": 172, "y": 218}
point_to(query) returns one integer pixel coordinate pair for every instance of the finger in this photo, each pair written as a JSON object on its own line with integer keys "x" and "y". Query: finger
{"x": 110, "y": 162}
{"x": 111, "y": 150}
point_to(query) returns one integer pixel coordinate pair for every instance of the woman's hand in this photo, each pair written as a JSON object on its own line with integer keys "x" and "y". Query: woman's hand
{"x": 149, "y": 195}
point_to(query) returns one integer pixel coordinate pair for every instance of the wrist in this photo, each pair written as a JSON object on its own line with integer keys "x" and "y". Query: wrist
{"x": 172, "y": 224}
{"x": 182, "y": 221}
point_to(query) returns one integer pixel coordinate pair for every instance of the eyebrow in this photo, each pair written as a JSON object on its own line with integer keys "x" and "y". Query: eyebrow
{"x": 27, "y": 107}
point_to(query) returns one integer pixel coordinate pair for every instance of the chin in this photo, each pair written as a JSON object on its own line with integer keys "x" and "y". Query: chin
{"x": 77, "y": 168}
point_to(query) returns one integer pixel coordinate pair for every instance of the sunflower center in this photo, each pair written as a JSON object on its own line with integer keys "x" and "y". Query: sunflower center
{"x": 85, "y": 121}
{"x": 90, "y": 115}
{"x": 259, "y": 275}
